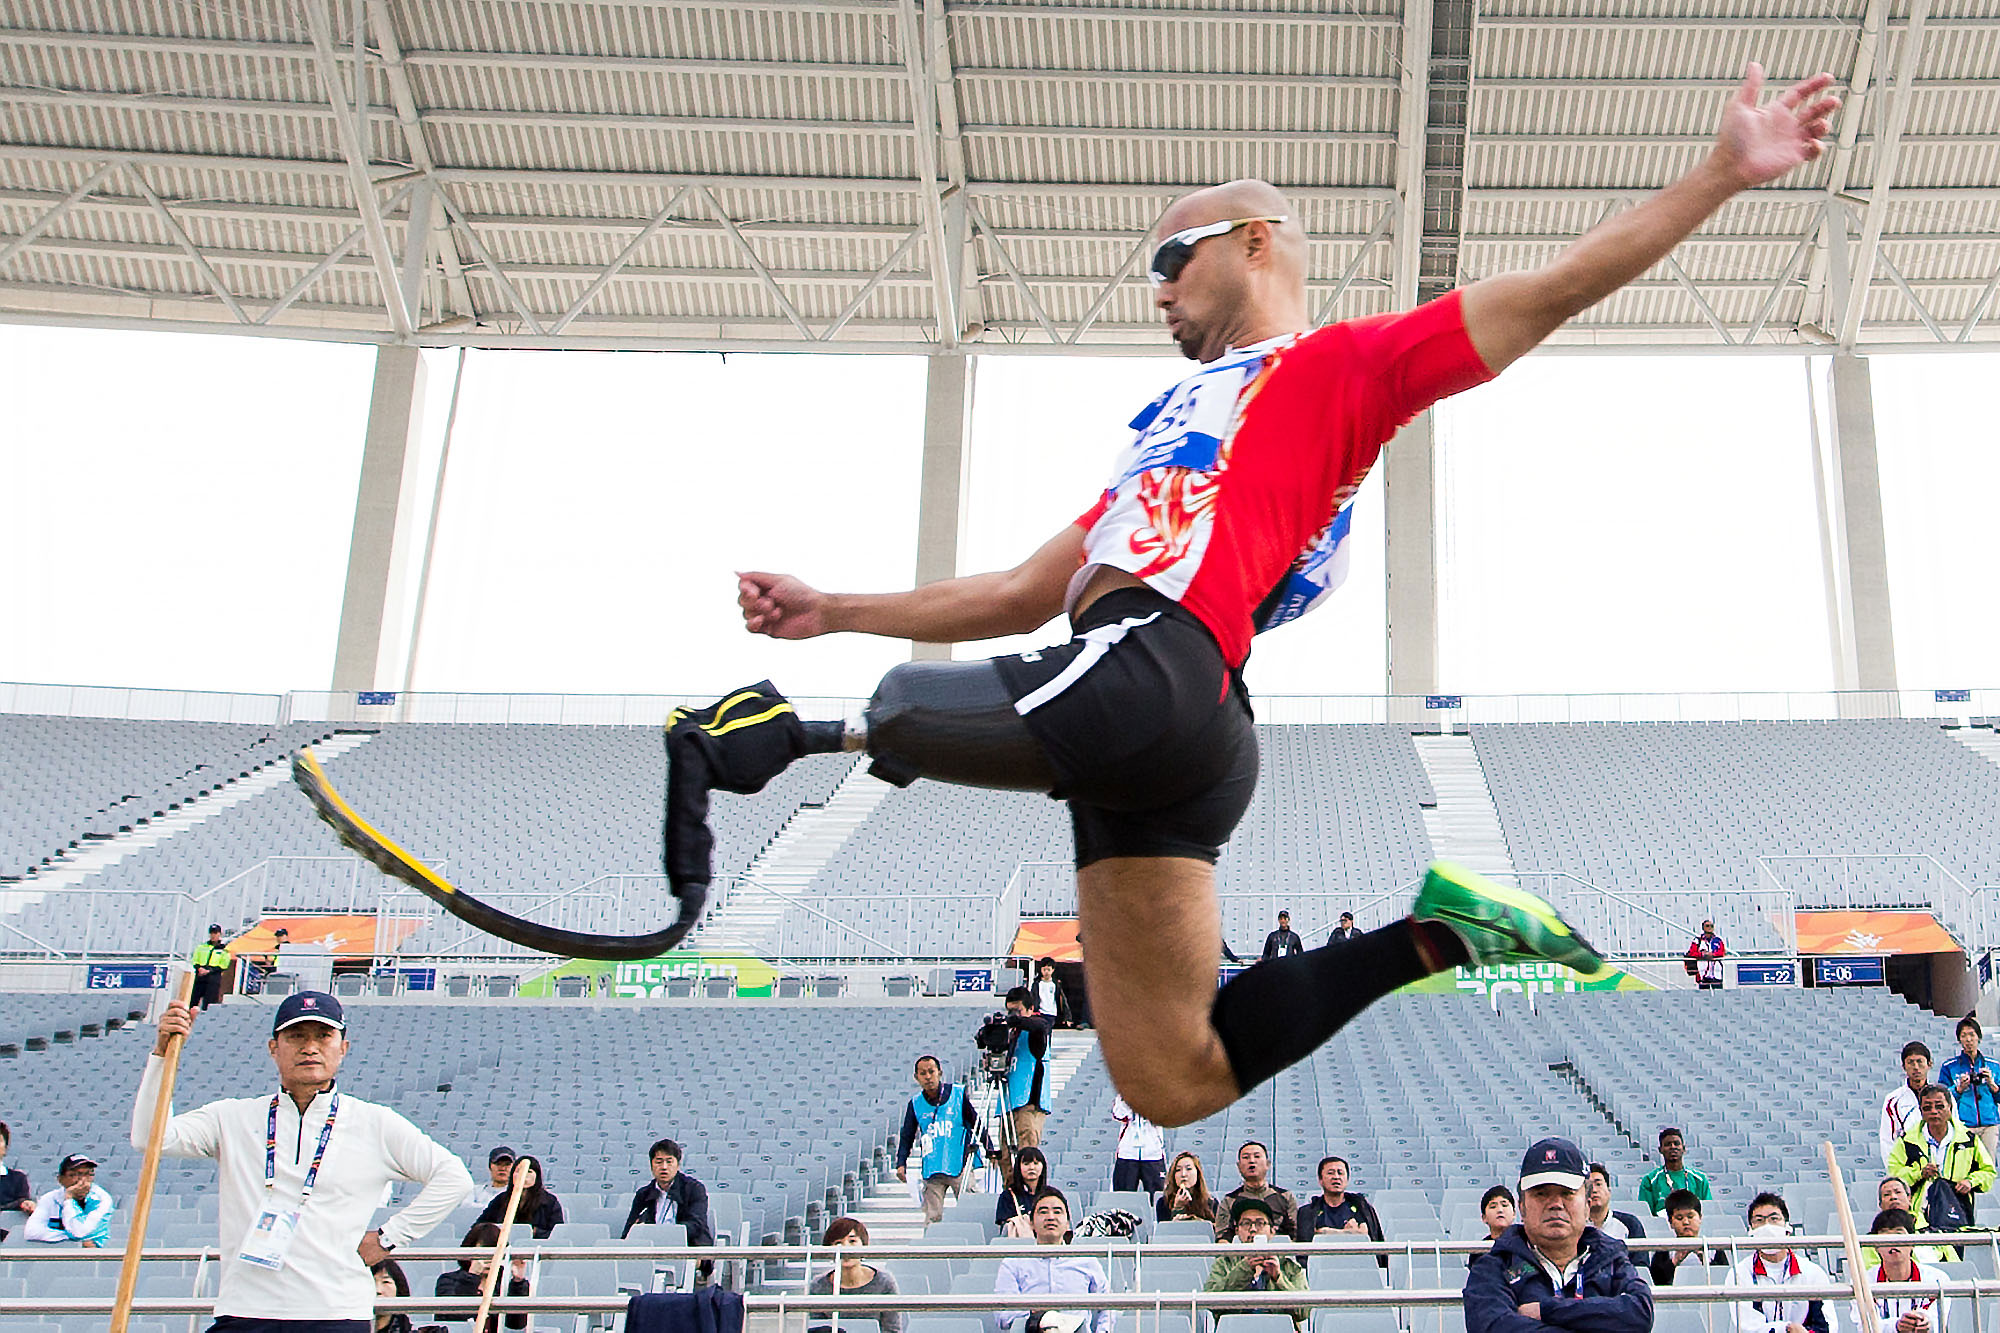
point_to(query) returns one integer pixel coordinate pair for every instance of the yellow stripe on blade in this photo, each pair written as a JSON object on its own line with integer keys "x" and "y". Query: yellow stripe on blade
{"x": 323, "y": 786}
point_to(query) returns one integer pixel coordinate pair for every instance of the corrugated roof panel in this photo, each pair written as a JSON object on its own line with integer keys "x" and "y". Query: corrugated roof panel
{"x": 722, "y": 94}
{"x": 1023, "y": 41}
{"x": 1960, "y": 54}
{"x": 711, "y": 31}
{"x": 1554, "y": 108}
{"x": 1328, "y": 107}
{"x": 803, "y": 151}
{"x": 1183, "y": 161}
{"x": 1612, "y": 50}
{"x": 167, "y": 130}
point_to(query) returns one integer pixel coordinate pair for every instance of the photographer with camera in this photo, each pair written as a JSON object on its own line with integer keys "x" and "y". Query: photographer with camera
{"x": 1016, "y": 1046}
{"x": 942, "y": 1125}
{"x": 1974, "y": 1081}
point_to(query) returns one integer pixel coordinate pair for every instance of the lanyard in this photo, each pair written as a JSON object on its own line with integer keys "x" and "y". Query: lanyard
{"x": 319, "y": 1152}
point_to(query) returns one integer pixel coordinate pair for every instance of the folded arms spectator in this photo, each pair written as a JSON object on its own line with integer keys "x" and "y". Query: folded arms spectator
{"x": 672, "y": 1195}
{"x": 1551, "y": 1269}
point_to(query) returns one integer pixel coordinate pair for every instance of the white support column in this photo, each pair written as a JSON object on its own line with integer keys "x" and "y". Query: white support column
{"x": 941, "y": 507}
{"x": 1855, "y": 501}
{"x": 1409, "y": 487}
{"x": 388, "y": 529}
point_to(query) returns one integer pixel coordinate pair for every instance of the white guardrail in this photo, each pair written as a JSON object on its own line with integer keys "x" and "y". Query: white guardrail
{"x": 652, "y": 709}
{"x": 1123, "y": 1253}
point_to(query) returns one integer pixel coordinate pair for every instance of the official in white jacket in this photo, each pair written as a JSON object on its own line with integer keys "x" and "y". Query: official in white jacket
{"x": 300, "y": 1173}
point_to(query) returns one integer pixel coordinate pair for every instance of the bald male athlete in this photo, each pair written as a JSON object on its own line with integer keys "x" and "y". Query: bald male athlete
{"x": 1226, "y": 516}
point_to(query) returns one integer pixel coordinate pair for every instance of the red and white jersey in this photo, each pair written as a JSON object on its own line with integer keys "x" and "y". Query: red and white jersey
{"x": 1234, "y": 497}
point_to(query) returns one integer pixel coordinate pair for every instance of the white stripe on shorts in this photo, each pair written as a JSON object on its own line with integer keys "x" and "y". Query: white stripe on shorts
{"x": 1096, "y": 643}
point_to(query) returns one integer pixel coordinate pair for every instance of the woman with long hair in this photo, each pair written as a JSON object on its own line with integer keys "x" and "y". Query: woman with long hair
{"x": 1031, "y": 1172}
{"x": 853, "y": 1276}
{"x": 539, "y": 1208}
{"x": 1186, "y": 1194}
{"x": 470, "y": 1275}
{"x": 390, "y": 1280}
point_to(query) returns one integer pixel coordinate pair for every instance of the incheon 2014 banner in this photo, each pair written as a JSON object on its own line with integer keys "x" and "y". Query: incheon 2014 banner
{"x": 647, "y": 980}
{"x": 1520, "y": 978}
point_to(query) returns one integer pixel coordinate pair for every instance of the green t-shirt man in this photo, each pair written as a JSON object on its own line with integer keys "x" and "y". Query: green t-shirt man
{"x": 1672, "y": 1174}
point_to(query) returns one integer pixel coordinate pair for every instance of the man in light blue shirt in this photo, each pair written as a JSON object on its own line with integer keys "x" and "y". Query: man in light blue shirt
{"x": 1974, "y": 1082}
{"x": 76, "y": 1210}
{"x": 1051, "y": 1271}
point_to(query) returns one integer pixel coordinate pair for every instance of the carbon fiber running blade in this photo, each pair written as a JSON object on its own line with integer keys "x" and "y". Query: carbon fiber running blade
{"x": 364, "y": 839}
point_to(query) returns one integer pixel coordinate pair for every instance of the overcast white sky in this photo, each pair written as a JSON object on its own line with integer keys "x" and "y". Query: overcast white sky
{"x": 179, "y": 508}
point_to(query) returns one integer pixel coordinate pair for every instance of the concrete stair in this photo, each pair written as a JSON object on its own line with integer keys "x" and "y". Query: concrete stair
{"x": 747, "y": 921}
{"x": 1463, "y": 826}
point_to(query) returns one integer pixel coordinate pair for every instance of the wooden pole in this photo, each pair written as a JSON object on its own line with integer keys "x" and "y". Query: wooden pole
{"x": 149, "y": 1170}
{"x": 1857, "y": 1273}
{"x": 499, "y": 1263}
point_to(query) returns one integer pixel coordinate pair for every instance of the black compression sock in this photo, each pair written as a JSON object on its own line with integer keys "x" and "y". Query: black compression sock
{"x": 1282, "y": 1010}
{"x": 824, "y": 737}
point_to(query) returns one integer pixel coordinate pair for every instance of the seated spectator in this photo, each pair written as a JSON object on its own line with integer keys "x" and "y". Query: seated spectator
{"x": 1974, "y": 1082}
{"x": 390, "y": 1280}
{"x": 1013, "y": 1214}
{"x": 1776, "y": 1264}
{"x": 76, "y": 1210}
{"x": 1899, "y": 1108}
{"x": 1049, "y": 1271}
{"x": 1704, "y": 958}
{"x": 855, "y": 1277}
{"x": 16, "y": 1194}
{"x": 470, "y": 1276}
{"x": 672, "y": 1195}
{"x": 1552, "y": 1268}
{"x": 1673, "y": 1173}
{"x": 1902, "y": 1314}
{"x": 1684, "y": 1217}
{"x": 1253, "y": 1163}
{"x": 1496, "y": 1210}
{"x": 1141, "y": 1158}
{"x": 1943, "y": 1163}
{"x": 1621, "y": 1226}
{"x": 500, "y": 1170}
{"x": 1336, "y": 1209}
{"x": 539, "y": 1208}
{"x": 1262, "y": 1269}
{"x": 1186, "y": 1196}
{"x": 1892, "y": 1195}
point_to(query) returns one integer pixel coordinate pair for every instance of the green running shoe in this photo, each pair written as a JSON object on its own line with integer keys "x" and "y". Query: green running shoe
{"x": 1500, "y": 924}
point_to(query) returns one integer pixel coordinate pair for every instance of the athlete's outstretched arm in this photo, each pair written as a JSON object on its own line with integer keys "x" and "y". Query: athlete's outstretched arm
{"x": 978, "y": 606}
{"x": 1509, "y": 314}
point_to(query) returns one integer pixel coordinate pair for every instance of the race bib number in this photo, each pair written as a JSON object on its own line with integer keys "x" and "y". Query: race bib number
{"x": 269, "y": 1239}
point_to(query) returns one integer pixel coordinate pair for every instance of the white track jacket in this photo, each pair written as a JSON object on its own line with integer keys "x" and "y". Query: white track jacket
{"x": 323, "y": 1276}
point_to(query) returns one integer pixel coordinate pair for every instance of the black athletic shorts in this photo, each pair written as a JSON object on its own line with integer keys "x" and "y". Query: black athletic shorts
{"x": 1148, "y": 731}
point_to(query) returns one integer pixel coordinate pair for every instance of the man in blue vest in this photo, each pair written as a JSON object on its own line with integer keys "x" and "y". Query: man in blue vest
{"x": 941, "y": 1124}
{"x": 1027, "y": 1097}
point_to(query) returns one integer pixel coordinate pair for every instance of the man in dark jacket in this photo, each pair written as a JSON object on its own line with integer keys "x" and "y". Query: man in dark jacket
{"x": 1552, "y": 1269}
{"x": 1284, "y": 941}
{"x": 1336, "y": 1207}
{"x": 672, "y": 1195}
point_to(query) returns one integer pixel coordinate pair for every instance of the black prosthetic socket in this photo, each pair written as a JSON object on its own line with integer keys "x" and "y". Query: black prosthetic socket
{"x": 824, "y": 737}
{"x": 1282, "y": 1010}
{"x": 954, "y": 722}
{"x": 737, "y": 745}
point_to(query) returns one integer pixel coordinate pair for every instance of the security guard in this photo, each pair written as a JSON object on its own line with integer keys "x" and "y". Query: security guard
{"x": 210, "y": 961}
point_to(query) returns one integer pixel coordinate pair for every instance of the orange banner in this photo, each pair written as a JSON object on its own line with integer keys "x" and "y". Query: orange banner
{"x": 1048, "y": 937}
{"x": 1872, "y": 933}
{"x": 346, "y": 936}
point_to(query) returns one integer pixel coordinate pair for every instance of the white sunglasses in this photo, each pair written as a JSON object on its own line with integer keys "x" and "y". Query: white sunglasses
{"x": 1176, "y": 250}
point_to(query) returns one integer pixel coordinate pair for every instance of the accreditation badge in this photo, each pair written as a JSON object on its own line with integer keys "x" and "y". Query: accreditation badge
{"x": 270, "y": 1237}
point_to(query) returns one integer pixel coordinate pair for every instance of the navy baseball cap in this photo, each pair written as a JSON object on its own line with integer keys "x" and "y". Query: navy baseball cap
{"x": 309, "y": 1006}
{"x": 499, "y": 1155}
{"x": 74, "y": 1161}
{"x": 1553, "y": 1162}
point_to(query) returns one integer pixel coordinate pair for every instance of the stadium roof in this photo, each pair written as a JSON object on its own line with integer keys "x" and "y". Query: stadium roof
{"x": 904, "y": 175}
